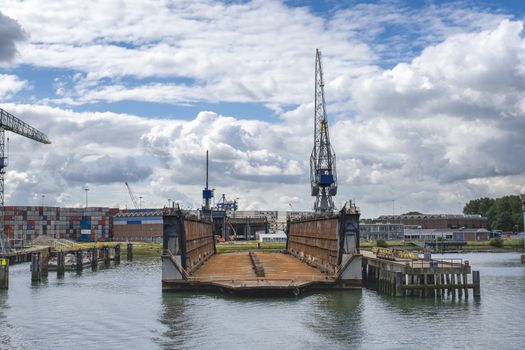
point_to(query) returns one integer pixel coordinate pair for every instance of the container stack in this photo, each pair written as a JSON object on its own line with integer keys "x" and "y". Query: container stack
{"x": 23, "y": 224}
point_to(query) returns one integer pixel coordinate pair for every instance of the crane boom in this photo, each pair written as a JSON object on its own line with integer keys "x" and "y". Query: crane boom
{"x": 132, "y": 196}
{"x": 323, "y": 177}
{"x": 9, "y": 122}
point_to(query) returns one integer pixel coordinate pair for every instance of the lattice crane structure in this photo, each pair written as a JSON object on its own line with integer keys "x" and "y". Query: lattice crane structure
{"x": 323, "y": 177}
{"x": 9, "y": 122}
{"x": 132, "y": 196}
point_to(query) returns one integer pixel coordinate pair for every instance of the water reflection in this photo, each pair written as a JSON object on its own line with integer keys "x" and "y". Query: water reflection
{"x": 174, "y": 316}
{"x": 337, "y": 317}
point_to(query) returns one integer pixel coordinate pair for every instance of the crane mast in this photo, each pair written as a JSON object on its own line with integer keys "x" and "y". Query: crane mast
{"x": 9, "y": 122}
{"x": 323, "y": 177}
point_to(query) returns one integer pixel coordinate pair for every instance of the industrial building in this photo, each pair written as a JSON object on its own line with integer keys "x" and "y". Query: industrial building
{"x": 420, "y": 234}
{"x": 377, "y": 231}
{"x": 279, "y": 237}
{"x": 140, "y": 225}
{"x": 436, "y": 221}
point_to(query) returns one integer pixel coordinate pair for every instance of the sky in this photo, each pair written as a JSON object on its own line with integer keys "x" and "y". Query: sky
{"x": 425, "y": 101}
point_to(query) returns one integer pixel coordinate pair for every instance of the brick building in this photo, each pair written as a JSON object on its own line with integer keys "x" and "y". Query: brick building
{"x": 436, "y": 221}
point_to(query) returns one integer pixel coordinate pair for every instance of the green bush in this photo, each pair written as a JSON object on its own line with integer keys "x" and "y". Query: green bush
{"x": 496, "y": 242}
{"x": 381, "y": 243}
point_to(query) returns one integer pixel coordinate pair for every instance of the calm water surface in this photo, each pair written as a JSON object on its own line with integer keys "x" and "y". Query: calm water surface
{"x": 123, "y": 308}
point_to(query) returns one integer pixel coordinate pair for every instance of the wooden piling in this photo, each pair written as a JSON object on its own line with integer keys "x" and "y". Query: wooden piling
{"x": 79, "y": 261}
{"x": 94, "y": 259}
{"x": 116, "y": 257}
{"x": 476, "y": 282}
{"x": 44, "y": 262}
{"x": 4, "y": 273}
{"x": 36, "y": 273}
{"x": 465, "y": 280}
{"x": 130, "y": 251}
{"x": 107, "y": 258}
{"x": 61, "y": 268}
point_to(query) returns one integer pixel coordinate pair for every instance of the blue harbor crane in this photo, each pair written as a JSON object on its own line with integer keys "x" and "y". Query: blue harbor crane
{"x": 323, "y": 177}
{"x": 9, "y": 122}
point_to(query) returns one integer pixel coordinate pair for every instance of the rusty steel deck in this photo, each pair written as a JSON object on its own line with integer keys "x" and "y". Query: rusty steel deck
{"x": 233, "y": 272}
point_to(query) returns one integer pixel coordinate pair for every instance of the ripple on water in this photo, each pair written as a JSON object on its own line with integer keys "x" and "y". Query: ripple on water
{"x": 123, "y": 307}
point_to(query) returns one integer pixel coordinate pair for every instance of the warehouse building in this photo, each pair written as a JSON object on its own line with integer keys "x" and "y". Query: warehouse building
{"x": 437, "y": 221}
{"x": 143, "y": 225}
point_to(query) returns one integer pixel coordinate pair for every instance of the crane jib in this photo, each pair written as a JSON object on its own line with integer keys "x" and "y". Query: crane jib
{"x": 9, "y": 122}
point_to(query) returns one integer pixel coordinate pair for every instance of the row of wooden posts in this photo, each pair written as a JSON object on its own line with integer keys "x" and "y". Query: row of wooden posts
{"x": 421, "y": 283}
{"x": 40, "y": 262}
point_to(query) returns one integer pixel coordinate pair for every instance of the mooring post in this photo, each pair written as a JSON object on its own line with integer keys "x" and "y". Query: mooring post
{"x": 44, "y": 261}
{"x": 60, "y": 264}
{"x": 35, "y": 267}
{"x": 116, "y": 258}
{"x": 476, "y": 282}
{"x": 4, "y": 273}
{"x": 94, "y": 258}
{"x": 106, "y": 256}
{"x": 130, "y": 251}
{"x": 80, "y": 261}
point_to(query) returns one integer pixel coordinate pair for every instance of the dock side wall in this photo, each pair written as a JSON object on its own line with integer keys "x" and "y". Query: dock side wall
{"x": 187, "y": 243}
{"x": 315, "y": 241}
{"x": 199, "y": 244}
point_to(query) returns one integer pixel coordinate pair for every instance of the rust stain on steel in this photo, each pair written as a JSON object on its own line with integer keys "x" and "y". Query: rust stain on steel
{"x": 315, "y": 242}
{"x": 199, "y": 242}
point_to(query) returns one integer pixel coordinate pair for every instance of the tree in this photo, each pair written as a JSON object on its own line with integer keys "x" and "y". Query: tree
{"x": 413, "y": 213}
{"x": 503, "y": 213}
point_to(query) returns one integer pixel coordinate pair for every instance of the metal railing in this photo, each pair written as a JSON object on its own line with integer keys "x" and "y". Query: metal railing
{"x": 436, "y": 264}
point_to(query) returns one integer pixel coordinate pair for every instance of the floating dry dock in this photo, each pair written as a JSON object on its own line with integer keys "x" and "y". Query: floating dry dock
{"x": 322, "y": 253}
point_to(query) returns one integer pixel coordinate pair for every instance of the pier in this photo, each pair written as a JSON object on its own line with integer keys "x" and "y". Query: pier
{"x": 74, "y": 258}
{"x": 424, "y": 278}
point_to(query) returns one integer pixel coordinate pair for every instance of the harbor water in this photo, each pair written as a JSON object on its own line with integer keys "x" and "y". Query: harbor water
{"x": 123, "y": 307}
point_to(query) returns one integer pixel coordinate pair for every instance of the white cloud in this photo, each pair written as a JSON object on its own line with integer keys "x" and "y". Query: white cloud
{"x": 441, "y": 126}
{"x": 11, "y": 85}
{"x": 10, "y": 34}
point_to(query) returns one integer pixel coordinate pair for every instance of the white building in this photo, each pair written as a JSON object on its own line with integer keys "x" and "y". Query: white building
{"x": 279, "y": 237}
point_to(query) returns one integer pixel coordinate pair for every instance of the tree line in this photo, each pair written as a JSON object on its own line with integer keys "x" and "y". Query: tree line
{"x": 503, "y": 213}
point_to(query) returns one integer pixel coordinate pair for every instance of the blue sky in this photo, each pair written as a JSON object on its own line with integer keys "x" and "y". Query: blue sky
{"x": 138, "y": 91}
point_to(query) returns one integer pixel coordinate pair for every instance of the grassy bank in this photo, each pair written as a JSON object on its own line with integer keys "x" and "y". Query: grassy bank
{"x": 232, "y": 247}
{"x": 141, "y": 249}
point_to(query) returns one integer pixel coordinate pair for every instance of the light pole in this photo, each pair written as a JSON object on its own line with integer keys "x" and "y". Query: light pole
{"x": 43, "y": 196}
{"x": 140, "y": 202}
{"x": 86, "y": 189}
